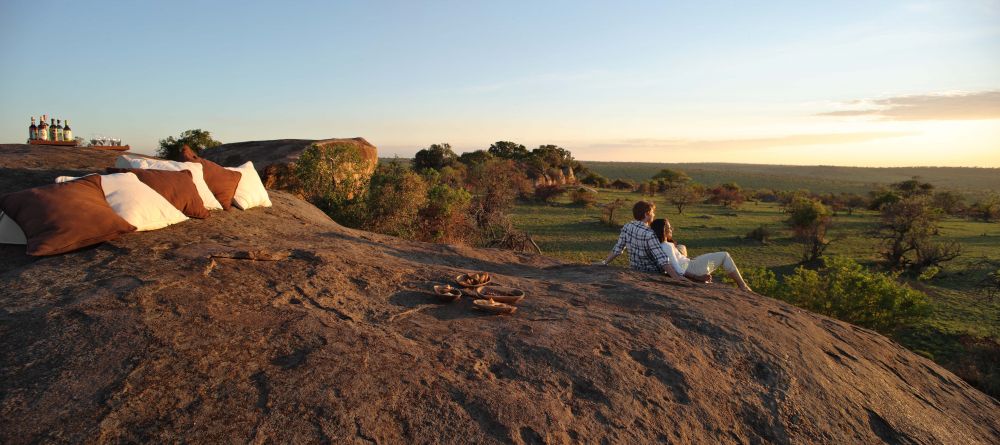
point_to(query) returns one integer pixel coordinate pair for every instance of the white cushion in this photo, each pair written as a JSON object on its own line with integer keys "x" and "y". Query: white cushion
{"x": 197, "y": 174}
{"x": 136, "y": 202}
{"x": 10, "y": 232}
{"x": 250, "y": 192}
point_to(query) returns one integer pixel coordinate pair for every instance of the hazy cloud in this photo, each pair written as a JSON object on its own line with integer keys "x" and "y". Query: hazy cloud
{"x": 750, "y": 143}
{"x": 958, "y": 106}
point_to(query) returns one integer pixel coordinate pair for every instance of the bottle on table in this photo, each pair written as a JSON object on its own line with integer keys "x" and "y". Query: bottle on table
{"x": 67, "y": 133}
{"x": 43, "y": 130}
{"x": 52, "y": 130}
{"x": 32, "y": 130}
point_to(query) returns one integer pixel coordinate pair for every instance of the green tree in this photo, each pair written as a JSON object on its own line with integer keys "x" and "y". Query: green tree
{"x": 907, "y": 228}
{"x": 327, "y": 176}
{"x": 434, "y": 157}
{"x": 685, "y": 195}
{"x": 673, "y": 178}
{"x": 553, "y": 156}
{"x": 809, "y": 220}
{"x": 475, "y": 157}
{"x": 986, "y": 209}
{"x": 508, "y": 150}
{"x": 198, "y": 140}
{"x": 950, "y": 203}
{"x": 445, "y": 217}
{"x": 395, "y": 197}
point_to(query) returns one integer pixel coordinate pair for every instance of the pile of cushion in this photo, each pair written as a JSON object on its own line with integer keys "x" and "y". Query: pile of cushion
{"x": 138, "y": 194}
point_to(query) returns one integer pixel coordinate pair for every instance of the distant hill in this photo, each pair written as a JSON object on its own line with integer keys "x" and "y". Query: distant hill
{"x": 818, "y": 178}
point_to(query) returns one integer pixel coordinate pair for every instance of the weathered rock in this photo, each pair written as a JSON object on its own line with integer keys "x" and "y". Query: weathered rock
{"x": 275, "y": 160}
{"x": 279, "y": 325}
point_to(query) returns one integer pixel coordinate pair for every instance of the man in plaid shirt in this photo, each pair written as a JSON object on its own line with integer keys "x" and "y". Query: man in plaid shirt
{"x": 645, "y": 252}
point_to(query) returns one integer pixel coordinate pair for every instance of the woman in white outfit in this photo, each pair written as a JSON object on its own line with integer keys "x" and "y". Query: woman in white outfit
{"x": 699, "y": 268}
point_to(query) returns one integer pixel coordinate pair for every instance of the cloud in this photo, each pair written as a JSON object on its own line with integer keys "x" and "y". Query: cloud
{"x": 750, "y": 143}
{"x": 955, "y": 106}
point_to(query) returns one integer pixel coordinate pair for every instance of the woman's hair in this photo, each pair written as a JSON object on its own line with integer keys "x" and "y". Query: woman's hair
{"x": 659, "y": 227}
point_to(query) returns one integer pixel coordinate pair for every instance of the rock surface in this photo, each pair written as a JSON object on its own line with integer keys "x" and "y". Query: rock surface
{"x": 280, "y": 326}
{"x": 274, "y": 159}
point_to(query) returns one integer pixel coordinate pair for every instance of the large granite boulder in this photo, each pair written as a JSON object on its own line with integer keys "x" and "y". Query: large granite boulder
{"x": 277, "y": 325}
{"x": 275, "y": 160}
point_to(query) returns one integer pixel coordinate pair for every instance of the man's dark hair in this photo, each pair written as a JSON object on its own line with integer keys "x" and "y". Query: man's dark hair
{"x": 641, "y": 208}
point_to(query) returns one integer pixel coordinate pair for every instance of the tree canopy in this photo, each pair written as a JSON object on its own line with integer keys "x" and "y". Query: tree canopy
{"x": 434, "y": 157}
{"x": 198, "y": 140}
{"x": 508, "y": 150}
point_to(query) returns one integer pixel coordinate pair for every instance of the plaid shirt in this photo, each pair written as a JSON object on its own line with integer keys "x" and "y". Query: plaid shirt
{"x": 645, "y": 252}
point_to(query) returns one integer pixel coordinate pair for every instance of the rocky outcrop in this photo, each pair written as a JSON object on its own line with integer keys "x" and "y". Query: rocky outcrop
{"x": 275, "y": 160}
{"x": 279, "y": 325}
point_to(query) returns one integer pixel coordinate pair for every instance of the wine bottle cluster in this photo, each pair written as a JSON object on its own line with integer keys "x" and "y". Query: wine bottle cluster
{"x": 49, "y": 130}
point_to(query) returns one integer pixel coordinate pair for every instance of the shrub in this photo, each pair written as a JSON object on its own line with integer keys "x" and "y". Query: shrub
{"x": 611, "y": 209}
{"x": 761, "y": 234}
{"x": 328, "y": 177}
{"x": 761, "y": 280}
{"x": 546, "y": 193}
{"x": 596, "y": 180}
{"x": 394, "y": 200}
{"x": 446, "y": 218}
{"x": 584, "y": 197}
{"x": 843, "y": 289}
{"x": 623, "y": 184}
{"x": 729, "y": 195}
{"x": 494, "y": 184}
{"x": 809, "y": 220}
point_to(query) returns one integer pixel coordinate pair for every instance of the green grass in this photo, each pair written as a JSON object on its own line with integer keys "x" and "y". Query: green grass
{"x": 961, "y": 313}
{"x": 818, "y": 179}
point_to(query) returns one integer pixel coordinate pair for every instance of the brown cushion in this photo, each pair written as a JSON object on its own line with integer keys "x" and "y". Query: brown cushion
{"x": 221, "y": 181}
{"x": 62, "y": 217}
{"x": 176, "y": 186}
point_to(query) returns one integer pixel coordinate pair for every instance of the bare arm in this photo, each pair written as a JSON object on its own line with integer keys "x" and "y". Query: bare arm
{"x": 617, "y": 250}
{"x": 660, "y": 252}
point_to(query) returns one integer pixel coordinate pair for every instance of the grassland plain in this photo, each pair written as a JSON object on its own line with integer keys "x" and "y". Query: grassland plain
{"x": 963, "y": 317}
{"x": 818, "y": 178}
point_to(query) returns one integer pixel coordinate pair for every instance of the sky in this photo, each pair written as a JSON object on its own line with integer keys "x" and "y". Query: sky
{"x": 859, "y": 83}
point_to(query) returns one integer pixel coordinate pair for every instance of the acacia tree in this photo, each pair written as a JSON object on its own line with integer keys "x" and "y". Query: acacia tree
{"x": 434, "y": 157}
{"x": 728, "y": 194}
{"x": 685, "y": 195}
{"x": 809, "y": 220}
{"x": 907, "y": 228}
{"x": 198, "y": 140}
{"x": 508, "y": 150}
{"x": 672, "y": 178}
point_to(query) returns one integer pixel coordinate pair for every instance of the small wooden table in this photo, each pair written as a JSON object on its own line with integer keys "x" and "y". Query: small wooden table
{"x": 59, "y": 143}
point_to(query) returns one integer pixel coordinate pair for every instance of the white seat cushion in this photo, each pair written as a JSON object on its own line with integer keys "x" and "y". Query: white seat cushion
{"x": 250, "y": 192}
{"x": 197, "y": 174}
{"x": 10, "y": 232}
{"x": 136, "y": 202}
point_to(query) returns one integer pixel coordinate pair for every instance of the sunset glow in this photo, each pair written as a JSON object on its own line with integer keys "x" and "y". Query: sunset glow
{"x": 893, "y": 84}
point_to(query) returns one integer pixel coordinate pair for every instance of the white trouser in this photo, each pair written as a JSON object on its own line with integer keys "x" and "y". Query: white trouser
{"x": 707, "y": 263}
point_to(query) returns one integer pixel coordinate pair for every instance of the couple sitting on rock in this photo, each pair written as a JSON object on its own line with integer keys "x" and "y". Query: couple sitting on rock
{"x": 651, "y": 248}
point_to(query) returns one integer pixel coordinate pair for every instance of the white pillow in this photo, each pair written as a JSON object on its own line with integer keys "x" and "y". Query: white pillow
{"x": 250, "y": 192}
{"x": 136, "y": 202}
{"x": 197, "y": 174}
{"x": 10, "y": 232}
